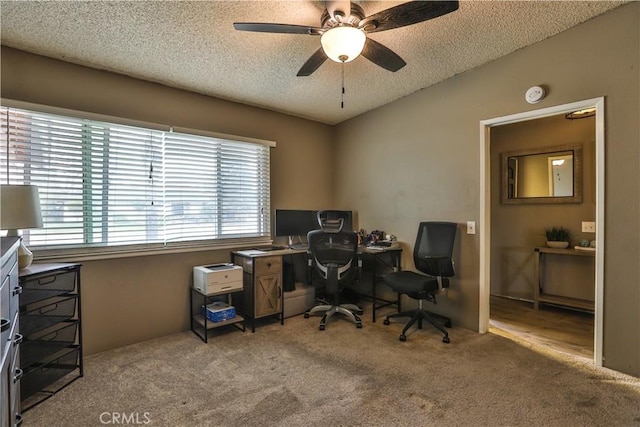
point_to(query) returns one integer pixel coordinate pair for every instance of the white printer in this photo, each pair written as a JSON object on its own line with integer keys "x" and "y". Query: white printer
{"x": 217, "y": 278}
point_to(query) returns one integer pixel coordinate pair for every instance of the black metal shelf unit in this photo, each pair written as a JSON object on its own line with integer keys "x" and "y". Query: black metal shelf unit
{"x": 50, "y": 322}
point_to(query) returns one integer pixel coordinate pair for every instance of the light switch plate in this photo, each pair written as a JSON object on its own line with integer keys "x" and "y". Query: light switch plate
{"x": 588, "y": 227}
{"x": 471, "y": 227}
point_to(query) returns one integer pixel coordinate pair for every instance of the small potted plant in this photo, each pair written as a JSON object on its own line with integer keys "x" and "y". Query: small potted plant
{"x": 558, "y": 237}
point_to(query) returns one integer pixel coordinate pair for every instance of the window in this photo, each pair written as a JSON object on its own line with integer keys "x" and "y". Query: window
{"x": 105, "y": 184}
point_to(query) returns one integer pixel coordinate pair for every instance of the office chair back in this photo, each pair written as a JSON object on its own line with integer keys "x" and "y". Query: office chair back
{"x": 334, "y": 255}
{"x": 332, "y": 221}
{"x": 432, "y": 253}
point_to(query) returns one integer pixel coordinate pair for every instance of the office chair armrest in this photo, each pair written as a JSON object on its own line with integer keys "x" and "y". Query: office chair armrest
{"x": 309, "y": 269}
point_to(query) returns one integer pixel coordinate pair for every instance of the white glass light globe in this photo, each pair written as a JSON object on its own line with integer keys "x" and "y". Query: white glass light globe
{"x": 343, "y": 44}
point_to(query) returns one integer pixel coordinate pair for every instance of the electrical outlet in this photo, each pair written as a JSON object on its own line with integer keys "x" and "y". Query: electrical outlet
{"x": 471, "y": 227}
{"x": 588, "y": 227}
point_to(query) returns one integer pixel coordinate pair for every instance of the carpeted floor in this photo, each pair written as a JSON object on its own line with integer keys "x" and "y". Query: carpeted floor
{"x": 296, "y": 375}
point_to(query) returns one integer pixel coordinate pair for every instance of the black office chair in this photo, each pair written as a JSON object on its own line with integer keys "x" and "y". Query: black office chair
{"x": 432, "y": 256}
{"x": 333, "y": 254}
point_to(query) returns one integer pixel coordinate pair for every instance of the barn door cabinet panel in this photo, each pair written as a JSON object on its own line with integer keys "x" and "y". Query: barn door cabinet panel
{"x": 262, "y": 281}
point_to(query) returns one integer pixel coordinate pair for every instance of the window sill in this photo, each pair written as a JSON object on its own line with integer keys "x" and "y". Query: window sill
{"x": 93, "y": 254}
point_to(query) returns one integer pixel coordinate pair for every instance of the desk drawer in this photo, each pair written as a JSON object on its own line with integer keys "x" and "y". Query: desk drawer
{"x": 268, "y": 265}
{"x": 14, "y": 290}
{"x": 6, "y": 318}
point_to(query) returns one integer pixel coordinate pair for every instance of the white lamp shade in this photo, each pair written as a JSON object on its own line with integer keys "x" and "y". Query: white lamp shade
{"x": 343, "y": 44}
{"x": 19, "y": 207}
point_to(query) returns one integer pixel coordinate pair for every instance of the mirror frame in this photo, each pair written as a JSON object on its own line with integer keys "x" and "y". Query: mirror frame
{"x": 577, "y": 175}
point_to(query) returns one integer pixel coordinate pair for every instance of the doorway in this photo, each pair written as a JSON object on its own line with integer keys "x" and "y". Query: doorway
{"x": 485, "y": 208}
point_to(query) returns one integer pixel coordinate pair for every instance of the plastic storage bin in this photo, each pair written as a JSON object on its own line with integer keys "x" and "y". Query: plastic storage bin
{"x": 218, "y": 311}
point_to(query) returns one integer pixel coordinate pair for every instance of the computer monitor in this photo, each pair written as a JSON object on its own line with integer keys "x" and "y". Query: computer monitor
{"x": 294, "y": 222}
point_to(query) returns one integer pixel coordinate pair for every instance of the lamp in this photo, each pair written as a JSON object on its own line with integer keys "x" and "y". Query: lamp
{"x": 20, "y": 209}
{"x": 343, "y": 43}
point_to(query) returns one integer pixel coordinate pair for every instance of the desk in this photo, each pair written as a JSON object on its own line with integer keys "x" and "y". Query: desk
{"x": 263, "y": 282}
{"x": 538, "y": 285}
{"x": 389, "y": 258}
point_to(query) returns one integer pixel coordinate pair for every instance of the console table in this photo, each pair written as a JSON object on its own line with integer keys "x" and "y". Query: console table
{"x": 539, "y": 296}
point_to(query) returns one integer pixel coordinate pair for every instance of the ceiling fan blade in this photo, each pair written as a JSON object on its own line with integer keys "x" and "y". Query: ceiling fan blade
{"x": 406, "y": 14}
{"x": 342, "y": 7}
{"x": 382, "y": 56}
{"x": 261, "y": 27}
{"x": 313, "y": 63}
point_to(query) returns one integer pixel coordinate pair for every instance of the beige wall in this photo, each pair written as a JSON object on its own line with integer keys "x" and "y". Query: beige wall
{"x": 418, "y": 159}
{"x": 127, "y": 300}
{"x": 415, "y": 159}
{"x": 517, "y": 229}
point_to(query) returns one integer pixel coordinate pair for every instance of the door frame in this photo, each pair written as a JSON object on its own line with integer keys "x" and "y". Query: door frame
{"x": 485, "y": 209}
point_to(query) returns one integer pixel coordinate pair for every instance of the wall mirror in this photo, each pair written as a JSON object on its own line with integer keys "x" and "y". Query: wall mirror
{"x": 542, "y": 175}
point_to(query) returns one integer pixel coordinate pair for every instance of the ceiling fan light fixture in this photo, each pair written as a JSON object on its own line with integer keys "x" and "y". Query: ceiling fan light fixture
{"x": 343, "y": 43}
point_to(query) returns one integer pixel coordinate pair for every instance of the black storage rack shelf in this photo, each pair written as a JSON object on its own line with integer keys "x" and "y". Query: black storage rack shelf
{"x": 43, "y": 380}
{"x": 45, "y": 286}
{"x": 50, "y": 322}
{"x": 42, "y": 348}
{"x": 38, "y": 318}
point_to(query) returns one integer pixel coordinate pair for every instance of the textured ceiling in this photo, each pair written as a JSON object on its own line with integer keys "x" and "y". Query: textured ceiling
{"x": 193, "y": 46}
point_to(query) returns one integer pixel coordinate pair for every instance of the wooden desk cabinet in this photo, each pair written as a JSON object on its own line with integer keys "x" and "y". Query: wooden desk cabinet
{"x": 262, "y": 283}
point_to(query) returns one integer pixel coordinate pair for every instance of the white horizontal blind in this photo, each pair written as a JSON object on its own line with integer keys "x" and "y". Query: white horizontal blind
{"x": 215, "y": 188}
{"x": 93, "y": 178}
{"x": 105, "y": 184}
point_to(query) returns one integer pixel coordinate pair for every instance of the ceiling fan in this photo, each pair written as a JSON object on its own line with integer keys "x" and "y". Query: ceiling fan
{"x": 344, "y": 30}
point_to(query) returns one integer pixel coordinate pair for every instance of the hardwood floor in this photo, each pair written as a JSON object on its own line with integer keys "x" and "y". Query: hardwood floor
{"x": 562, "y": 329}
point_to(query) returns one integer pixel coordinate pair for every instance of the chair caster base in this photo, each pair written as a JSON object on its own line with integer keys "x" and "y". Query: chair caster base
{"x": 321, "y": 327}
{"x": 359, "y": 325}
{"x": 446, "y": 340}
{"x": 386, "y": 322}
{"x": 403, "y": 338}
{"x": 306, "y": 315}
